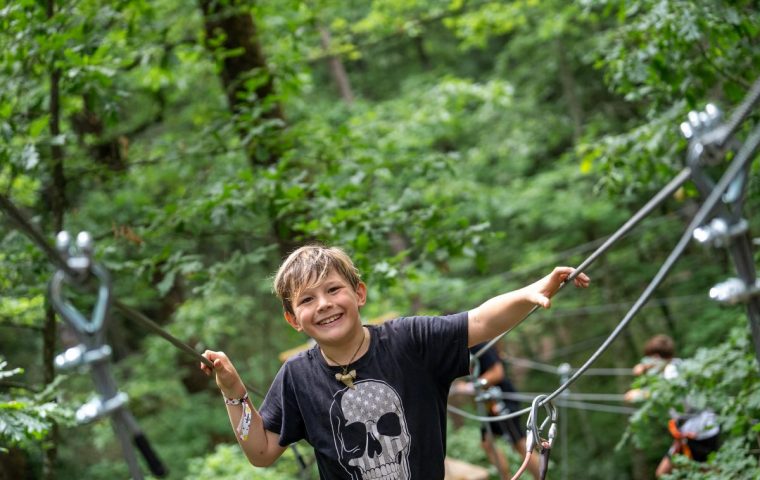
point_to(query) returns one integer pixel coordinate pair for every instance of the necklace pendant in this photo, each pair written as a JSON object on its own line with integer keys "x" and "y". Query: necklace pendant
{"x": 347, "y": 378}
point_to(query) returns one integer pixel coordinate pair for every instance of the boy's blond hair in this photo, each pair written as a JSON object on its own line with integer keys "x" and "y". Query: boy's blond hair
{"x": 307, "y": 267}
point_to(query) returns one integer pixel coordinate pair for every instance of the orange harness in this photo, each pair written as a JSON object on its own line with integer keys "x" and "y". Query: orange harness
{"x": 680, "y": 440}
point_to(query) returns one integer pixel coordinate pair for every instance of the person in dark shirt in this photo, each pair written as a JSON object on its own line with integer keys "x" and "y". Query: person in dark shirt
{"x": 371, "y": 400}
{"x": 493, "y": 379}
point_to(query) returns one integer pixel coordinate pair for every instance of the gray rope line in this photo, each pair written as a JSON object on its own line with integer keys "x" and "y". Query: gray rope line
{"x": 612, "y": 307}
{"x": 655, "y": 201}
{"x": 737, "y": 165}
{"x": 740, "y": 114}
{"x": 20, "y": 220}
{"x": 560, "y": 403}
{"x": 528, "y": 396}
{"x": 544, "y": 367}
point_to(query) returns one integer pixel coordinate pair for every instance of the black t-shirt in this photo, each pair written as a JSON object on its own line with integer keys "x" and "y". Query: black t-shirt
{"x": 394, "y": 421}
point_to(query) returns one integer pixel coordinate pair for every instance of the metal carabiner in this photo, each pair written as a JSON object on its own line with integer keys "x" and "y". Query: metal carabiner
{"x": 544, "y": 446}
{"x": 96, "y": 324}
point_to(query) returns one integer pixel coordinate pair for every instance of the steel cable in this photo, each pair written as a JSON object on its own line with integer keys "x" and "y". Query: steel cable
{"x": 737, "y": 165}
{"x": 664, "y": 193}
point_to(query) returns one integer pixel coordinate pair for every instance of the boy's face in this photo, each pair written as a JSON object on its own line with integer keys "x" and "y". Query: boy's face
{"x": 328, "y": 312}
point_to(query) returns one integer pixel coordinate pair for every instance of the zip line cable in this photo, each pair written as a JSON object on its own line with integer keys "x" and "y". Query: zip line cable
{"x": 553, "y": 260}
{"x": 742, "y": 158}
{"x": 664, "y": 193}
{"x": 543, "y": 367}
{"x": 20, "y": 220}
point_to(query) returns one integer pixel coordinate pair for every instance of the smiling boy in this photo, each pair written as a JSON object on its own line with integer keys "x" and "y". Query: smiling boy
{"x": 371, "y": 400}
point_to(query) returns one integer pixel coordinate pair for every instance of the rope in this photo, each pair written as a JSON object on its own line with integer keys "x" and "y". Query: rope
{"x": 543, "y": 367}
{"x": 737, "y": 165}
{"x": 653, "y": 203}
{"x": 20, "y": 220}
{"x": 594, "y": 407}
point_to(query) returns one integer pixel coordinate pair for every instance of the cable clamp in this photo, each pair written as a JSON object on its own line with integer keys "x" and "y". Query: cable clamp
{"x": 719, "y": 233}
{"x": 733, "y": 291}
{"x": 78, "y": 256}
{"x": 97, "y": 408}
{"x": 79, "y": 356}
{"x": 489, "y": 394}
{"x": 704, "y": 132}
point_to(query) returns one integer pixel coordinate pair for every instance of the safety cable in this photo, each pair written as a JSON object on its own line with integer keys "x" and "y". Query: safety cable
{"x": 560, "y": 402}
{"x": 739, "y": 115}
{"x": 21, "y": 221}
{"x": 739, "y": 162}
{"x": 33, "y": 233}
{"x": 556, "y": 258}
{"x": 663, "y": 194}
{"x": 524, "y": 396}
{"x": 613, "y": 307}
{"x": 544, "y": 367}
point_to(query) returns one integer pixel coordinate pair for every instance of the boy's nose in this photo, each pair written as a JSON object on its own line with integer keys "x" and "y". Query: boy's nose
{"x": 324, "y": 303}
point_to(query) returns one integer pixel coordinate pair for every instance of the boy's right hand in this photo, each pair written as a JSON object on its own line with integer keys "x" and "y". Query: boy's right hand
{"x": 227, "y": 378}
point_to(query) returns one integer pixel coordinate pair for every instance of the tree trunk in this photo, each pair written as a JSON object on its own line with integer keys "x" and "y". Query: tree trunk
{"x": 229, "y": 27}
{"x": 336, "y": 68}
{"x": 57, "y": 199}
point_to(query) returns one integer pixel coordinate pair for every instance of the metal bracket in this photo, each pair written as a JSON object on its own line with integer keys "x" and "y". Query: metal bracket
{"x": 719, "y": 233}
{"x": 94, "y": 352}
{"x": 96, "y": 407}
{"x": 733, "y": 291}
{"x": 79, "y": 356}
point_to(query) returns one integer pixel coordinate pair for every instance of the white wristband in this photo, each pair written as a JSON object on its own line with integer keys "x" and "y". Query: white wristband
{"x": 236, "y": 401}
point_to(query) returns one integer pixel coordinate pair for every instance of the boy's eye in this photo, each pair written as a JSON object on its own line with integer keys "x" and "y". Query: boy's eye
{"x": 304, "y": 300}
{"x": 333, "y": 289}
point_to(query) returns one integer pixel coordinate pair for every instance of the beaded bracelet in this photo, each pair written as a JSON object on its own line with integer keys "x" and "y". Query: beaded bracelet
{"x": 245, "y": 421}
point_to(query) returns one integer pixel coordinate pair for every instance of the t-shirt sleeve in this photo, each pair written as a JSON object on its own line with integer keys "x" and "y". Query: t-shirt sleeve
{"x": 279, "y": 410}
{"x": 440, "y": 343}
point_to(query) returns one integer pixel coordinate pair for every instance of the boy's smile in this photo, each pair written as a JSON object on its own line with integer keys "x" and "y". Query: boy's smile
{"x": 329, "y": 312}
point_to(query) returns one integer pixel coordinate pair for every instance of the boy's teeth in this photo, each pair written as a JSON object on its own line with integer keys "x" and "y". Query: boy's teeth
{"x": 329, "y": 320}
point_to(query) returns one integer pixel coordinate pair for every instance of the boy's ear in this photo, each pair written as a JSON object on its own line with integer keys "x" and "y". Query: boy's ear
{"x": 292, "y": 321}
{"x": 361, "y": 294}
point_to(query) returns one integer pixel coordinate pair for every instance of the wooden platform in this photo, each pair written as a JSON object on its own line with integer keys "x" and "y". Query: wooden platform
{"x": 459, "y": 470}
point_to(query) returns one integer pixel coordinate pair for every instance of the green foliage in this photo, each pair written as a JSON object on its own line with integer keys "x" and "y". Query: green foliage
{"x": 27, "y": 417}
{"x": 228, "y": 463}
{"x": 669, "y": 57}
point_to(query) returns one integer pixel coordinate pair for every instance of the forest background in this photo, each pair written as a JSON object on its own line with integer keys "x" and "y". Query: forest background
{"x": 457, "y": 149}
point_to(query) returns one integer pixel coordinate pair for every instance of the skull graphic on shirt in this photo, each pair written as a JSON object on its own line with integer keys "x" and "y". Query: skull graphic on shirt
{"x": 370, "y": 431}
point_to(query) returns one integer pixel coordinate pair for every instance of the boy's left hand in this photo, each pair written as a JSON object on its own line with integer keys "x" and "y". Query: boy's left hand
{"x": 541, "y": 291}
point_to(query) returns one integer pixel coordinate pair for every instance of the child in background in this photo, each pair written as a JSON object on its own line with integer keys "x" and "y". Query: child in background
{"x": 695, "y": 433}
{"x": 658, "y": 359}
{"x": 493, "y": 376}
{"x": 371, "y": 400}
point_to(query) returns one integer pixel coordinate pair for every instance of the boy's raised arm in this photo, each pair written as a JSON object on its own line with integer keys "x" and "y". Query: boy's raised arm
{"x": 503, "y": 312}
{"x": 261, "y": 446}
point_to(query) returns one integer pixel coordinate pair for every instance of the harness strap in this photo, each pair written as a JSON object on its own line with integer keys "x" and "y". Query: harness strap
{"x": 680, "y": 439}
